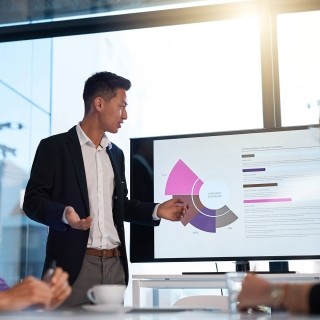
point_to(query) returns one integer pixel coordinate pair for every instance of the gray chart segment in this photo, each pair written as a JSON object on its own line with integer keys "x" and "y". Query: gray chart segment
{"x": 225, "y": 216}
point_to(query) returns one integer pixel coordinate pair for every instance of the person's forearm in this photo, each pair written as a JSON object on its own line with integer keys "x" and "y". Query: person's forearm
{"x": 4, "y": 301}
{"x": 297, "y": 298}
{"x": 291, "y": 297}
{"x": 314, "y": 298}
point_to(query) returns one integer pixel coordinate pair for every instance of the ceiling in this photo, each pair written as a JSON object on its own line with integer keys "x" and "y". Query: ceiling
{"x": 22, "y": 11}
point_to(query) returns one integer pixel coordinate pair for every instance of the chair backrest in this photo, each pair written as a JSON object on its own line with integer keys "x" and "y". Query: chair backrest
{"x": 204, "y": 301}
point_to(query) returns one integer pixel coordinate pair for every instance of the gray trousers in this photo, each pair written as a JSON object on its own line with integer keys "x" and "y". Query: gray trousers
{"x": 95, "y": 270}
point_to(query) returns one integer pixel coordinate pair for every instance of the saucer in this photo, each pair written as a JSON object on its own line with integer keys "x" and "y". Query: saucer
{"x": 106, "y": 308}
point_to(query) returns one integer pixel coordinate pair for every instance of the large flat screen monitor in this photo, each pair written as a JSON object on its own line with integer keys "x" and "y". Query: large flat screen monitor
{"x": 253, "y": 195}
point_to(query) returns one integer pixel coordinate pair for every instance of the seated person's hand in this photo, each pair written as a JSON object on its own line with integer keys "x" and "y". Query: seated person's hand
{"x": 60, "y": 288}
{"x": 27, "y": 293}
{"x": 32, "y": 292}
{"x": 255, "y": 291}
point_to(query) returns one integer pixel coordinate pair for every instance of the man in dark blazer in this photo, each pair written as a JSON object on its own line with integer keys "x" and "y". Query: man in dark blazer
{"x": 77, "y": 187}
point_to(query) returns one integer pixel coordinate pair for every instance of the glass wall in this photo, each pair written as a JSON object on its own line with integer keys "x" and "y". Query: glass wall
{"x": 25, "y": 108}
{"x": 187, "y": 78}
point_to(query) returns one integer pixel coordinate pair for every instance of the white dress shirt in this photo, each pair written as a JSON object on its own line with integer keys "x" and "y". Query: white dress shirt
{"x": 100, "y": 182}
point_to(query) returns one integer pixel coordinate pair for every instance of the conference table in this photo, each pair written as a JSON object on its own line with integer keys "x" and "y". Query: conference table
{"x": 202, "y": 281}
{"x": 149, "y": 314}
{"x": 136, "y": 312}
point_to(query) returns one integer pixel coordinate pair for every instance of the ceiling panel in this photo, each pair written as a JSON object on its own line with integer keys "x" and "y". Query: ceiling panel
{"x": 19, "y": 11}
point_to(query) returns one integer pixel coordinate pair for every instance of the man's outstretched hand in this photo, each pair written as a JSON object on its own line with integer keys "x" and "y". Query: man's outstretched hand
{"x": 173, "y": 210}
{"x": 74, "y": 220}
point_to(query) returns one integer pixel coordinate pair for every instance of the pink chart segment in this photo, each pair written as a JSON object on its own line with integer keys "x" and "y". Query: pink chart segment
{"x": 182, "y": 180}
{"x": 267, "y": 200}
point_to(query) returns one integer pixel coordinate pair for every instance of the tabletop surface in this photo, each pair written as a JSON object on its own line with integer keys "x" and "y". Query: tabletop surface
{"x": 148, "y": 314}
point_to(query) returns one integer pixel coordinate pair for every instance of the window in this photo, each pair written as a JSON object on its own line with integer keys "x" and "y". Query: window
{"x": 299, "y": 67}
{"x": 186, "y": 78}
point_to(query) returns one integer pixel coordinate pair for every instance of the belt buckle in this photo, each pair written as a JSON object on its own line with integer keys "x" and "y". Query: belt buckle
{"x": 104, "y": 253}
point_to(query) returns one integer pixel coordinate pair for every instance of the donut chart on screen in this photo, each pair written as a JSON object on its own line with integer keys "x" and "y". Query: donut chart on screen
{"x": 207, "y": 199}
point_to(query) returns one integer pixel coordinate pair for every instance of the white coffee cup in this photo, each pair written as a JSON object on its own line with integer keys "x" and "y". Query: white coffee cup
{"x": 112, "y": 294}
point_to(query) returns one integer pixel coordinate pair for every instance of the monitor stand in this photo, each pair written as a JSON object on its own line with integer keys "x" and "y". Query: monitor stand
{"x": 242, "y": 266}
{"x": 274, "y": 267}
{"x": 279, "y": 266}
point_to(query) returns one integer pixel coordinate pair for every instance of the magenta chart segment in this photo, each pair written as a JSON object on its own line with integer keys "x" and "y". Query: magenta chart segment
{"x": 207, "y": 199}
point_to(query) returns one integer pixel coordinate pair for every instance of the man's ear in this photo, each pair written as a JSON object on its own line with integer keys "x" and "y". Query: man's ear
{"x": 97, "y": 102}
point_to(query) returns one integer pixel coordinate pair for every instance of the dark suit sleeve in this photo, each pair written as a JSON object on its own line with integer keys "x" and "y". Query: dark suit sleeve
{"x": 314, "y": 299}
{"x": 37, "y": 203}
{"x": 134, "y": 210}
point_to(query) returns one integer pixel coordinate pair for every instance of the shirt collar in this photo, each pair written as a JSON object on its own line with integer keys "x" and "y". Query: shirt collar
{"x": 83, "y": 138}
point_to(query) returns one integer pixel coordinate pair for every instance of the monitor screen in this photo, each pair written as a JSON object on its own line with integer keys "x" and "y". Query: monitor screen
{"x": 252, "y": 195}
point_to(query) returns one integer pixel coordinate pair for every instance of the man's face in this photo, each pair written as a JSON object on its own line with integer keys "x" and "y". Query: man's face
{"x": 113, "y": 112}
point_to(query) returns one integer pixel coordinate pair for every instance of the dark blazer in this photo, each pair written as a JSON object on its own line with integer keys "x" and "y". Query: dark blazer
{"x": 58, "y": 180}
